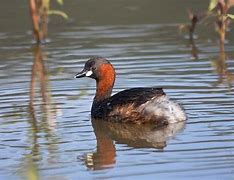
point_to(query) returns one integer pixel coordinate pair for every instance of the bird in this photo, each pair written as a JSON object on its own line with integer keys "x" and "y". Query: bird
{"x": 138, "y": 105}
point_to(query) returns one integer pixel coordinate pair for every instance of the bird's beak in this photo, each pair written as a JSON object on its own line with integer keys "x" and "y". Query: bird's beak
{"x": 84, "y": 73}
{"x": 81, "y": 74}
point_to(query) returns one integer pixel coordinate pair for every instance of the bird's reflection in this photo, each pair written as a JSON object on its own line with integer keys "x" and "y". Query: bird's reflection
{"x": 133, "y": 135}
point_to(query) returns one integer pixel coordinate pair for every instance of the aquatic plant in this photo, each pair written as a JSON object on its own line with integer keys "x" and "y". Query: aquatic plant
{"x": 194, "y": 20}
{"x": 39, "y": 10}
{"x": 218, "y": 12}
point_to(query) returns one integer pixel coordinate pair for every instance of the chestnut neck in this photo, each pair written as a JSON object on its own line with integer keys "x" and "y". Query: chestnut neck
{"x": 104, "y": 82}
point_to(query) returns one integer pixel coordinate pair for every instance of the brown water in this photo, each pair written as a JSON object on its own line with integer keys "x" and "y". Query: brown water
{"x": 45, "y": 126}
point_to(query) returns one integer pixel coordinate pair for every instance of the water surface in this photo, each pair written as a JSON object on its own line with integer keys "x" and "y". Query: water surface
{"x": 45, "y": 125}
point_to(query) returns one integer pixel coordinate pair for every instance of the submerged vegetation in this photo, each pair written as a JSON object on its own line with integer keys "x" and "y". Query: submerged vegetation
{"x": 39, "y": 10}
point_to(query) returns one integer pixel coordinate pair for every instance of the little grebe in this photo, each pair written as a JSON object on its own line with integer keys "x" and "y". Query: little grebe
{"x": 135, "y": 105}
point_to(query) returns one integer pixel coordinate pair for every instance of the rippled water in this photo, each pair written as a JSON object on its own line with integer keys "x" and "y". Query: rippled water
{"x": 45, "y": 126}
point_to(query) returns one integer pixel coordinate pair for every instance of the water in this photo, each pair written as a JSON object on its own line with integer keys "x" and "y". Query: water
{"x": 45, "y": 126}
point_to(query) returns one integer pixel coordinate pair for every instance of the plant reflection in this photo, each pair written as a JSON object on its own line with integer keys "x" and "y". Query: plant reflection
{"x": 42, "y": 118}
{"x": 194, "y": 50}
{"x": 39, "y": 73}
{"x": 221, "y": 69}
{"x": 219, "y": 64}
{"x": 133, "y": 135}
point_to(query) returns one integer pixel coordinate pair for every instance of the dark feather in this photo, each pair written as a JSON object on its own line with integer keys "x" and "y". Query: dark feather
{"x": 126, "y": 101}
{"x": 137, "y": 96}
